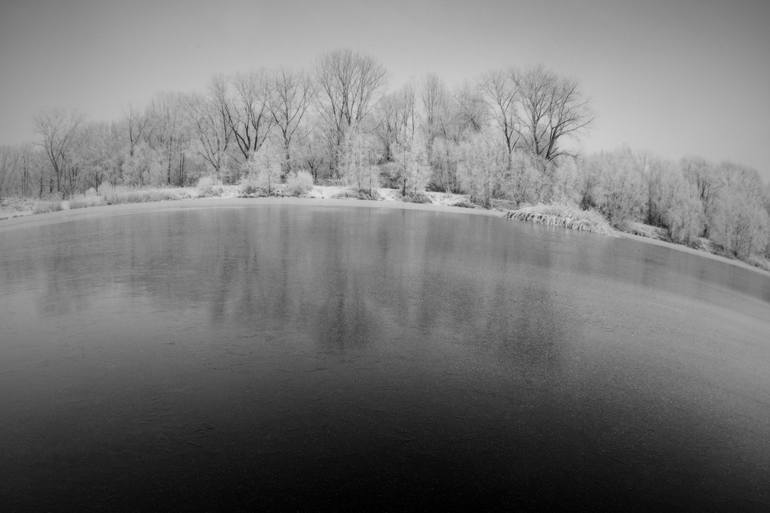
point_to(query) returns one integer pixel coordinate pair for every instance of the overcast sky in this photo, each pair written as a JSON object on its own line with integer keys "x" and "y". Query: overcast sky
{"x": 676, "y": 77}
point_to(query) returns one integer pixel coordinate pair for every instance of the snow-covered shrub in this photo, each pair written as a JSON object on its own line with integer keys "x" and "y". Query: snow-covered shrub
{"x": 683, "y": 215}
{"x": 262, "y": 171}
{"x": 357, "y": 159}
{"x": 209, "y": 186}
{"x": 299, "y": 183}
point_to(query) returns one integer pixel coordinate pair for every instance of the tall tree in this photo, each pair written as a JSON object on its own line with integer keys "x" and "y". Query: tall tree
{"x": 169, "y": 135}
{"x": 395, "y": 120}
{"x": 96, "y": 153}
{"x": 208, "y": 116}
{"x": 137, "y": 125}
{"x": 707, "y": 182}
{"x": 358, "y": 156}
{"x": 348, "y": 83}
{"x": 58, "y": 130}
{"x": 550, "y": 109}
{"x": 291, "y": 95}
{"x": 247, "y": 111}
{"x": 470, "y": 113}
{"x": 500, "y": 90}
{"x": 435, "y": 108}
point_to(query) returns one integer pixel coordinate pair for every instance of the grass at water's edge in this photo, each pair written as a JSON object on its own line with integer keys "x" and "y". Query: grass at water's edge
{"x": 565, "y": 216}
{"x": 109, "y": 195}
{"x": 20, "y": 207}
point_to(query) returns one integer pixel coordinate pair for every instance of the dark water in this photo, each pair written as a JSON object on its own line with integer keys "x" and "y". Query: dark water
{"x": 285, "y": 357}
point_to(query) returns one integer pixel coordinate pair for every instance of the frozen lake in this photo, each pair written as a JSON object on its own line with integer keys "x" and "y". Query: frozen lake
{"x": 275, "y": 356}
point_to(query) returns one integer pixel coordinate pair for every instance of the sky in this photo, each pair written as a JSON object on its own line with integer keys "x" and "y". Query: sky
{"x": 674, "y": 77}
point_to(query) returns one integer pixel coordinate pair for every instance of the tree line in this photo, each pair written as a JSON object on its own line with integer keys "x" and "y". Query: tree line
{"x": 501, "y": 138}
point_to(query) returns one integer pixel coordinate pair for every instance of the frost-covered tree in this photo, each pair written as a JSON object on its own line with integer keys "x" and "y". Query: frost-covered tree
{"x": 683, "y": 213}
{"x": 529, "y": 179}
{"x": 169, "y": 136}
{"x": 550, "y": 108}
{"x": 739, "y": 226}
{"x": 24, "y": 171}
{"x": 444, "y": 156}
{"x": 142, "y": 168}
{"x": 738, "y": 221}
{"x": 481, "y": 167}
{"x": 620, "y": 192}
{"x": 136, "y": 125}
{"x": 706, "y": 180}
{"x": 434, "y": 103}
{"x": 348, "y": 84}
{"x": 394, "y": 120}
{"x": 208, "y": 118}
{"x": 245, "y": 104}
{"x": 653, "y": 172}
{"x": 357, "y": 161}
{"x": 263, "y": 169}
{"x": 291, "y": 94}
{"x": 413, "y": 167}
{"x": 470, "y": 114}
{"x": 567, "y": 182}
{"x": 311, "y": 150}
{"x": 58, "y": 131}
{"x": 97, "y": 155}
{"x": 500, "y": 90}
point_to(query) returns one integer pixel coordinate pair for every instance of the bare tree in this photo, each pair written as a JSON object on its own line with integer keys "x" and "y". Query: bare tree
{"x": 310, "y": 146}
{"x": 652, "y": 172}
{"x": 136, "y": 125}
{"x": 550, "y": 109}
{"x": 408, "y": 112}
{"x": 357, "y": 161}
{"x": 10, "y": 166}
{"x": 347, "y": 83}
{"x": 435, "y": 108}
{"x": 291, "y": 95}
{"x": 208, "y": 115}
{"x": 500, "y": 90}
{"x": 470, "y": 113}
{"x": 395, "y": 119}
{"x": 738, "y": 221}
{"x": 97, "y": 152}
{"x": 247, "y": 111}
{"x": 481, "y": 166}
{"x": 168, "y": 134}
{"x": 21, "y": 167}
{"x": 58, "y": 130}
{"x": 707, "y": 182}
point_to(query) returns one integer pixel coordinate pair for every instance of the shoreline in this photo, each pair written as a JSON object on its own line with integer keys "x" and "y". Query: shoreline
{"x": 62, "y": 216}
{"x": 693, "y": 251}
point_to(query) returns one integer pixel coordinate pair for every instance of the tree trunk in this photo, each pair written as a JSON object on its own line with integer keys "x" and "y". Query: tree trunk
{"x": 287, "y": 155}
